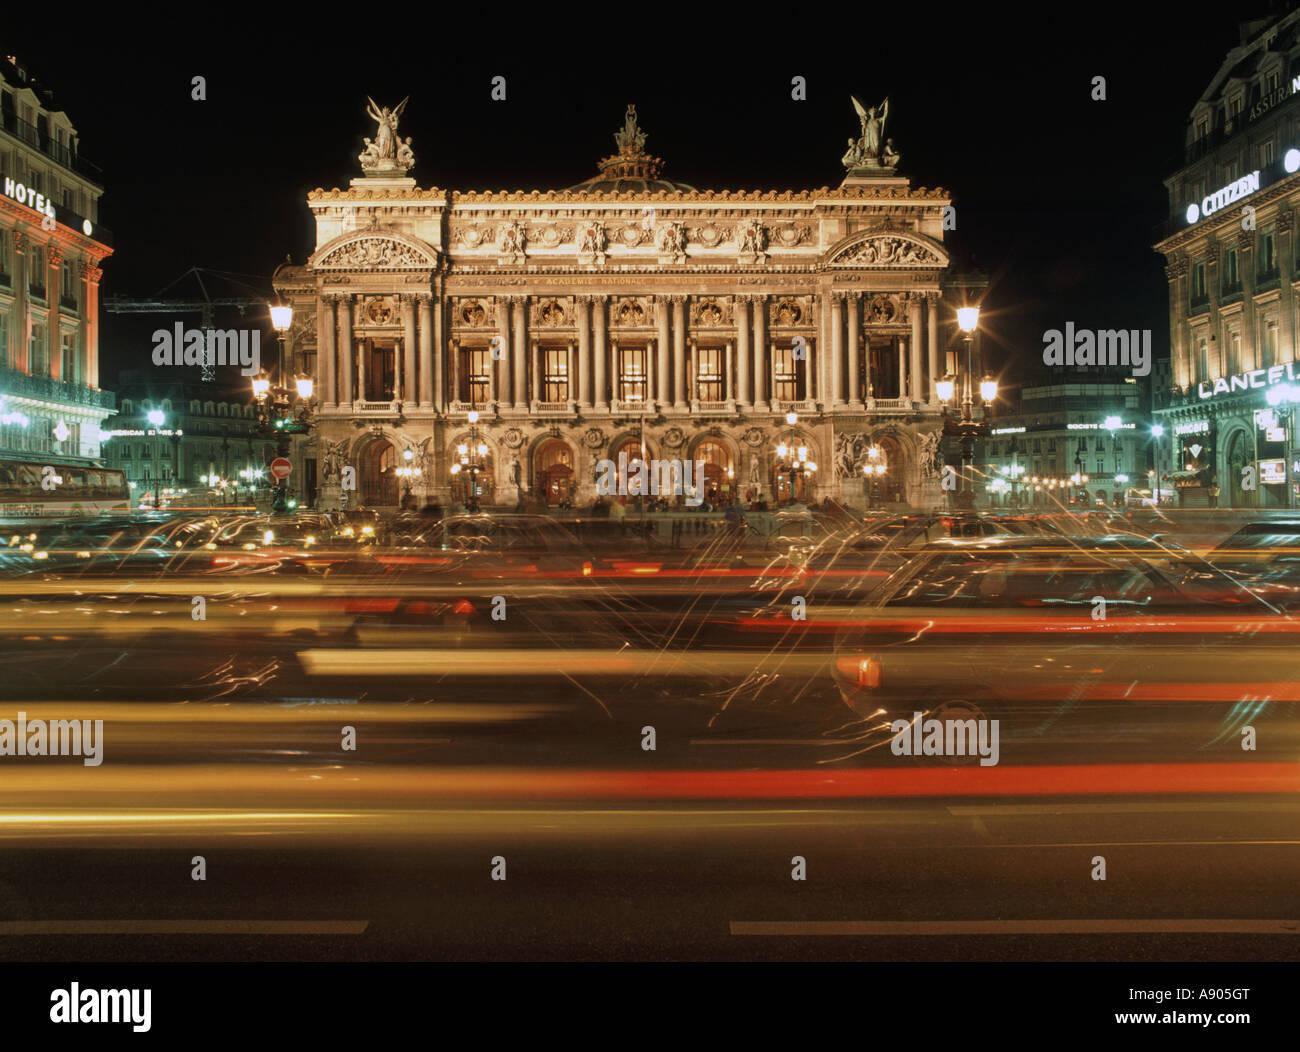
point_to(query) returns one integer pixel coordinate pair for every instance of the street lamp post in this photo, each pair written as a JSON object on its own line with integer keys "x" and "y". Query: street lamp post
{"x": 872, "y": 472}
{"x": 1113, "y": 424}
{"x": 1156, "y": 432}
{"x": 797, "y": 456}
{"x": 275, "y": 404}
{"x": 966, "y": 428}
{"x": 156, "y": 418}
{"x": 470, "y": 452}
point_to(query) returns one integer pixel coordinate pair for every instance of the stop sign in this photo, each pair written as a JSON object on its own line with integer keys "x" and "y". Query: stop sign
{"x": 280, "y": 468}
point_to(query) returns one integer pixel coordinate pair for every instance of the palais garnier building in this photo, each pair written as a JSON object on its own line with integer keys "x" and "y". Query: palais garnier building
{"x": 529, "y": 334}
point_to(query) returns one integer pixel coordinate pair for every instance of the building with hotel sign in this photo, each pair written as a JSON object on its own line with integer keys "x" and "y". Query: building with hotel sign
{"x": 1231, "y": 259}
{"x": 624, "y": 314}
{"x": 51, "y": 405}
{"x": 1055, "y": 450}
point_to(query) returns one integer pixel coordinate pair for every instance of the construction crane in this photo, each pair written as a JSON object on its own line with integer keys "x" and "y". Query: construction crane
{"x": 204, "y": 307}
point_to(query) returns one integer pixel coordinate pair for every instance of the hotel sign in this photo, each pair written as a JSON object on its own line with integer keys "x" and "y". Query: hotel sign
{"x": 1256, "y": 379}
{"x": 25, "y": 196}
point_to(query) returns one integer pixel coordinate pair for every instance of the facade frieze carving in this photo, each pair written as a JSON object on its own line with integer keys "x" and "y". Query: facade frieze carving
{"x": 379, "y": 310}
{"x": 673, "y": 438}
{"x": 1284, "y": 221}
{"x": 710, "y": 235}
{"x": 887, "y": 251}
{"x": 594, "y": 439}
{"x": 790, "y": 310}
{"x": 374, "y": 253}
{"x": 552, "y": 312}
{"x": 751, "y": 242}
{"x": 511, "y": 242}
{"x": 474, "y": 313}
{"x": 630, "y": 312}
{"x": 671, "y": 242}
{"x": 711, "y": 312}
{"x": 552, "y": 236}
{"x": 791, "y": 234}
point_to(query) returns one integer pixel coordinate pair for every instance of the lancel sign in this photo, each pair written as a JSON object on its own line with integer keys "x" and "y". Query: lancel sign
{"x": 1253, "y": 380}
{"x": 1235, "y": 191}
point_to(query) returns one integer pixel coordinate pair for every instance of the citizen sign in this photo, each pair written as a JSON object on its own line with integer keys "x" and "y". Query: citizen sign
{"x": 1211, "y": 203}
{"x": 28, "y": 197}
{"x": 1253, "y": 380}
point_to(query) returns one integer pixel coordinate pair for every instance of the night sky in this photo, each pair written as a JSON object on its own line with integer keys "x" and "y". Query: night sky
{"x": 1058, "y": 196}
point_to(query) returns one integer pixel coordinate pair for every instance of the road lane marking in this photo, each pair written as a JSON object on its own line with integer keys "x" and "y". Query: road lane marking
{"x": 182, "y": 927}
{"x": 1104, "y": 926}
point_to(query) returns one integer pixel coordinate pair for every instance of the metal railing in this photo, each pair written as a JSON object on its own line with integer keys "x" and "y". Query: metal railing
{"x": 51, "y": 147}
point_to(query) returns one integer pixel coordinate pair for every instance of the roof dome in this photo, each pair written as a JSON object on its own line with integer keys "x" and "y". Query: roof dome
{"x": 631, "y": 170}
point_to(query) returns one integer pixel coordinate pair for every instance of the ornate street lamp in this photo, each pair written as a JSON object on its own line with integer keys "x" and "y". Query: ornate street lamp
{"x": 1156, "y": 432}
{"x": 798, "y": 466}
{"x": 966, "y": 428}
{"x": 276, "y": 415}
{"x": 873, "y": 471}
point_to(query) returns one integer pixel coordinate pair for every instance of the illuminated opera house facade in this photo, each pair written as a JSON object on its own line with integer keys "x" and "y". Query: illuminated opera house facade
{"x": 626, "y": 314}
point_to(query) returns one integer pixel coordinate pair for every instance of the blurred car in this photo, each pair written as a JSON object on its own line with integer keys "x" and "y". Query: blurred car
{"x": 1034, "y": 631}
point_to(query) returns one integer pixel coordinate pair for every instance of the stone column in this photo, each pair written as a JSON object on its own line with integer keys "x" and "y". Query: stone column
{"x": 855, "y": 328}
{"x": 363, "y": 349}
{"x": 762, "y": 359}
{"x": 521, "y": 354}
{"x": 810, "y": 375}
{"x": 932, "y": 324}
{"x": 426, "y": 350}
{"x": 902, "y": 367}
{"x": 1286, "y": 348}
{"x": 918, "y": 394}
{"x": 326, "y": 351}
{"x": 650, "y": 392}
{"x": 837, "y": 349}
{"x": 498, "y": 368}
{"x": 453, "y": 371}
{"x": 598, "y": 305}
{"x": 347, "y": 351}
{"x": 583, "y": 304}
{"x": 410, "y": 391}
{"x": 744, "y": 356}
{"x": 90, "y": 309}
{"x": 663, "y": 389}
{"x": 22, "y": 246}
{"x": 54, "y": 290}
{"x": 679, "y": 352}
{"x": 440, "y": 399}
{"x": 571, "y": 358}
{"x": 728, "y": 381}
{"x": 1246, "y": 269}
{"x": 535, "y": 370}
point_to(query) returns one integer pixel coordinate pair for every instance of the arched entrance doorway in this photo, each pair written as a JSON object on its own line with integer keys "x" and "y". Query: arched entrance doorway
{"x": 379, "y": 474}
{"x": 889, "y": 488}
{"x": 1239, "y": 455}
{"x": 719, "y": 470}
{"x": 553, "y": 472}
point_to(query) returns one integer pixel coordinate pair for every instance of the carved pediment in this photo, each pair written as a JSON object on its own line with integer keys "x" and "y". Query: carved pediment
{"x": 374, "y": 252}
{"x": 888, "y": 250}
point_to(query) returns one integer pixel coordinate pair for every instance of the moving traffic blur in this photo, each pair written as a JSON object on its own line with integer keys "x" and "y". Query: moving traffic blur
{"x": 664, "y": 709}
